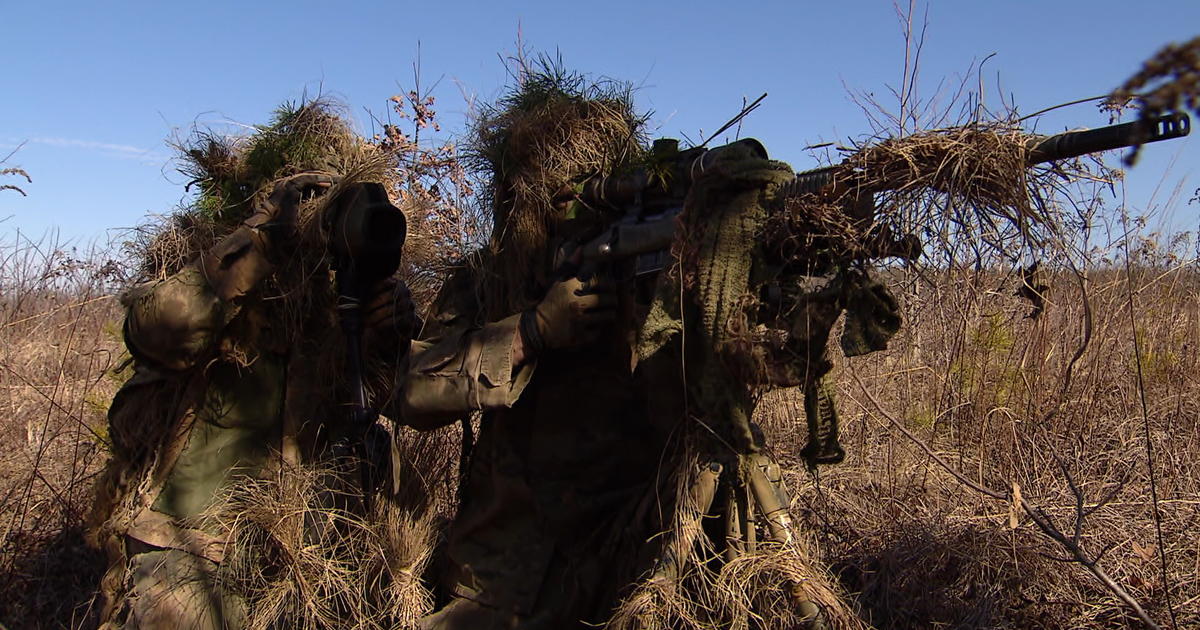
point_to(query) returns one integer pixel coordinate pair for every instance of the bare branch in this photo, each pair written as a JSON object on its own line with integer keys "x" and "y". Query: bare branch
{"x": 1039, "y": 517}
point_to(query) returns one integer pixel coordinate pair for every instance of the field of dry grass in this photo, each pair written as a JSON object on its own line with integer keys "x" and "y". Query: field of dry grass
{"x": 1017, "y": 405}
{"x": 59, "y": 342}
{"x": 1005, "y": 401}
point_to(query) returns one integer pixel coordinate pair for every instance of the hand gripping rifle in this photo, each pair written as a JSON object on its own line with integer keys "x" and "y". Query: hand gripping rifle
{"x": 366, "y": 239}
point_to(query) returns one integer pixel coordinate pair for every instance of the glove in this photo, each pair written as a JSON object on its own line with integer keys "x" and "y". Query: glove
{"x": 236, "y": 264}
{"x": 277, "y": 215}
{"x": 572, "y": 314}
{"x": 389, "y": 319}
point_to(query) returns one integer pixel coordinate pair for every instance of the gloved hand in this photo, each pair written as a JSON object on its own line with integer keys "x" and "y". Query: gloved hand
{"x": 238, "y": 262}
{"x": 277, "y": 214}
{"x": 389, "y": 319}
{"x": 572, "y": 314}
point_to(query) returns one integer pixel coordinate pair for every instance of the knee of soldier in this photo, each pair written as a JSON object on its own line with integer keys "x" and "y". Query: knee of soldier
{"x": 169, "y": 588}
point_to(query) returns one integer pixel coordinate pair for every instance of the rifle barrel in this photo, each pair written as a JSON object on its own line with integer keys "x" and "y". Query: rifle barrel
{"x": 1076, "y": 143}
{"x": 619, "y": 191}
{"x": 1046, "y": 149}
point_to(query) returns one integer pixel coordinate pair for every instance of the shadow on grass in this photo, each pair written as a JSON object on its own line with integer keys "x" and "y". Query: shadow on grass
{"x": 50, "y": 582}
{"x": 967, "y": 579}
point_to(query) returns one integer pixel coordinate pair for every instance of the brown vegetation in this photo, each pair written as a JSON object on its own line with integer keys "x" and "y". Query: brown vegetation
{"x": 1000, "y": 467}
{"x": 1045, "y": 411}
{"x": 985, "y": 387}
{"x": 59, "y": 342}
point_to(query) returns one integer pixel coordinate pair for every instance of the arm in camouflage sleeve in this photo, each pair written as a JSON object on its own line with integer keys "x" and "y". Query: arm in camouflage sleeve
{"x": 468, "y": 369}
{"x": 174, "y": 323}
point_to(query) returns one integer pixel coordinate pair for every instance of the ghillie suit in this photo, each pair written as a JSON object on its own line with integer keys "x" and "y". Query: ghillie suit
{"x": 554, "y": 130}
{"x": 221, "y": 496}
{"x": 587, "y": 456}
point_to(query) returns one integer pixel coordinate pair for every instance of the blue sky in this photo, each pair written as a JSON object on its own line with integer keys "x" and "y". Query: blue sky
{"x": 94, "y": 90}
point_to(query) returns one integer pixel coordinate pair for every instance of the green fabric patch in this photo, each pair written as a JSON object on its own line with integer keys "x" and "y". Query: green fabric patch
{"x": 236, "y": 428}
{"x": 723, "y": 216}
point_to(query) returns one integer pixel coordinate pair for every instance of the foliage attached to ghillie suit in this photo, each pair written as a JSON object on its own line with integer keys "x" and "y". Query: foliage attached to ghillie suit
{"x": 950, "y": 187}
{"x": 553, "y": 130}
{"x": 308, "y": 556}
{"x": 230, "y": 172}
{"x": 294, "y": 309}
{"x": 763, "y": 272}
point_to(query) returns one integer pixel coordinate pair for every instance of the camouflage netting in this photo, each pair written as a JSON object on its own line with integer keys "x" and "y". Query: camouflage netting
{"x": 552, "y": 130}
{"x": 764, "y": 584}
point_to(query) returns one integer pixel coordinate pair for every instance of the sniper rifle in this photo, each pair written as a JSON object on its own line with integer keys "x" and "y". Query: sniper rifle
{"x": 638, "y": 222}
{"x": 641, "y": 207}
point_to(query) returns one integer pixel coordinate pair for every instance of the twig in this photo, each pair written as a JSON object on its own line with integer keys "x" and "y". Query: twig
{"x": 1060, "y": 106}
{"x": 1039, "y": 518}
{"x": 736, "y": 119}
{"x": 1141, "y": 386}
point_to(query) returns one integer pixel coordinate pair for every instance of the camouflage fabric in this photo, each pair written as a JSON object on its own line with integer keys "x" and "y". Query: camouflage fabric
{"x": 872, "y": 316}
{"x": 172, "y": 325}
{"x": 565, "y": 453}
{"x": 226, "y": 397}
{"x": 217, "y": 419}
{"x": 168, "y": 588}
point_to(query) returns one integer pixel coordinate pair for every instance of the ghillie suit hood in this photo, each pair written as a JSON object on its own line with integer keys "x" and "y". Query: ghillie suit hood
{"x": 231, "y": 174}
{"x": 553, "y": 129}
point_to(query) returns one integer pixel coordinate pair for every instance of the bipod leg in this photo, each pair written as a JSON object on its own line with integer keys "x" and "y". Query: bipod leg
{"x": 735, "y": 522}
{"x": 766, "y": 484}
{"x": 679, "y": 543}
{"x": 681, "y": 538}
{"x": 741, "y": 531}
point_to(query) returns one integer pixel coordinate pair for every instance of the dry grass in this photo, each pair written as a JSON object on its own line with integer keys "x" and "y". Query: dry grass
{"x": 309, "y": 556}
{"x": 967, "y": 192}
{"x": 997, "y": 396}
{"x": 58, "y": 343}
{"x": 984, "y": 386}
